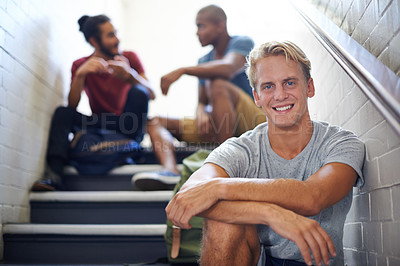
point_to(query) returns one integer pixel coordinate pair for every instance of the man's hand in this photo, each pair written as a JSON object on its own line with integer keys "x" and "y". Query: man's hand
{"x": 306, "y": 233}
{"x": 170, "y": 78}
{"x": 191, "y": 201}
{"x": 120, "y": 68}
{"x": 93, "y": 65}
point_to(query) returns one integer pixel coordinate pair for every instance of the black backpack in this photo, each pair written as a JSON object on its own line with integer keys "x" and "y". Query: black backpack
{"x": 96, "y": 151}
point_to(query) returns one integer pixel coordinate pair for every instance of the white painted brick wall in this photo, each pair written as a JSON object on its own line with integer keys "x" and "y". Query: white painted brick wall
{"x": 375, "y": 24}
{"x": 38, "y": 42}
{"x": 372, "y": 229}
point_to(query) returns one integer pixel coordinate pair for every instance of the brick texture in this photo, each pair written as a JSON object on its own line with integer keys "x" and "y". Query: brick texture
{"x": 375, "y": 25}
{"x": 35, "y": 59}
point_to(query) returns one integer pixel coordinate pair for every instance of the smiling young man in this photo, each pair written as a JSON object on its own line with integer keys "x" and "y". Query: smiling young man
{"x": 225, "y": 105}
{"x": 279, "y": 193}
{"x": 118, "y": 93}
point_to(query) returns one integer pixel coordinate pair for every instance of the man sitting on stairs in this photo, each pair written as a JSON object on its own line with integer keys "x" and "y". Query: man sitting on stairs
{"x": 118, "y": 93}
{"x": 225, "y": 104}
{"x": 281, "y": 192}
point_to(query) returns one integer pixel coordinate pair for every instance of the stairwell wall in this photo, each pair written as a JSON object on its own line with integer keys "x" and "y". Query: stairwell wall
{"x": 372, "y": 229}
{"x": 38, "y": 42}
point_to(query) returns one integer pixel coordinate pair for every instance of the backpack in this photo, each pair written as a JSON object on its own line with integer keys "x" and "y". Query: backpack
{"x": 96, "y": 151}
{"x": 185, "y": 248}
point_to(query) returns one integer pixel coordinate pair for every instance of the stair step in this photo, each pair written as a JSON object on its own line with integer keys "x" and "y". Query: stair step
{"x": 128, "y": 169}
{"x": 99, "y": 207}
{"x": 86, "y": 229}
{"x": 181, "y": 152}
{"x": 63, "y": 243}
{"x": 118, "y": 179}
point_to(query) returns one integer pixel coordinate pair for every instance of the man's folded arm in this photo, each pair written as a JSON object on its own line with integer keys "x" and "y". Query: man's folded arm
{"x": 327, "y": 186}
{"x": 226, "y": 67}
{"x": 323, "y": 189}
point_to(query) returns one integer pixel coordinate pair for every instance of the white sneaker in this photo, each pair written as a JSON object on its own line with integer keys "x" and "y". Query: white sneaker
{"x": 161, "y": 180}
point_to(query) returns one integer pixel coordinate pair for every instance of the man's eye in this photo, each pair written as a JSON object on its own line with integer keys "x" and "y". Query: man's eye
{"x": 290, "y": 83}
{"x": 268, "y": 87}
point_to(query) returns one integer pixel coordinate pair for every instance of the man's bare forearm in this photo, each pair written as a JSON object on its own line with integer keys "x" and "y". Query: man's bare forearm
{"x": 288, "y": 193}
{"x": 225, "y": 68}
{"x": 323, "y": 189}
{"x": 77, "y": 87}
{"x": 213, "y": 69}
{"x": 239, "y": 212}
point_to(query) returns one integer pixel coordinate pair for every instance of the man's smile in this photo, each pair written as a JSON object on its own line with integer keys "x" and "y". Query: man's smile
{"x": 283, "y": 108}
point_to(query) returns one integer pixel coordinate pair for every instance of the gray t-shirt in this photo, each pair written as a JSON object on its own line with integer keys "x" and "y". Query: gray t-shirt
{"x": 240, "y": 45}
{"x": 251, "y": 156}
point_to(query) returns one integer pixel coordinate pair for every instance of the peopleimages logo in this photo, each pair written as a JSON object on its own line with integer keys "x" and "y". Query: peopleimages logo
{"x": 127, "y": 123}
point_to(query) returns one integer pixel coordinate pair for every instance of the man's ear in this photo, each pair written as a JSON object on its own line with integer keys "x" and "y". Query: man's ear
{"x": 257, "y": 100}
{"x": 221, "y": 25}
{"x": 310, "y": 88}
{"x": 94, "y": 42}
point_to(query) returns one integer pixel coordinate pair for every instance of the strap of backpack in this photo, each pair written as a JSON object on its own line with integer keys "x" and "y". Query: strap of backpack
{"x": 76, "y": 138}
{"x": 176, "y": 241}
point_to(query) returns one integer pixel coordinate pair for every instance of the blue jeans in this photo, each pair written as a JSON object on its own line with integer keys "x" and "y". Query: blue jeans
{"x": 132, "y": 123}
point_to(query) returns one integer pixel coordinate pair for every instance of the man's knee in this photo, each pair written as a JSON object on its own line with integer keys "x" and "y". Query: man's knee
{"x": 137, "y": 100}
{"x": 153, "y": 123}
{"x": 173, "y": 125}
{"x": 217, "y": 88}
{"x": 142, "y": 93}
{"x": 230, "y": 240}
{"x": 219, "y": 83}
{"x": 214, "y": 229}
{"x": 219, "y": 232}
{"x": 63, "y": 113}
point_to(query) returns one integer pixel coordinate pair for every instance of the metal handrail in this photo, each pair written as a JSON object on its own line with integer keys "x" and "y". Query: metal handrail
{"x": 380, "y": 90}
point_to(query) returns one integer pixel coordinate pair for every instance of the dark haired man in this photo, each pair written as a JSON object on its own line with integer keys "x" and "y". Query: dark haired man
{"x": 225, "y": 106}
{"x": 117, "y": 89}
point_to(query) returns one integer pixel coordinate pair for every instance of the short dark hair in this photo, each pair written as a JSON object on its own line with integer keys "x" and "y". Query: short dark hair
{"x": 215, "y": 13}
{"x": 90, "y": 26}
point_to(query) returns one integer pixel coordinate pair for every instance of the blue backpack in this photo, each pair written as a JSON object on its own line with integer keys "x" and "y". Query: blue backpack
{"x": 96, "y": 151}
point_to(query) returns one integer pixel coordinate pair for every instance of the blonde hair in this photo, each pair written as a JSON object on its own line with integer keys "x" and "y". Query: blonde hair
{"x": 286, "y": 48}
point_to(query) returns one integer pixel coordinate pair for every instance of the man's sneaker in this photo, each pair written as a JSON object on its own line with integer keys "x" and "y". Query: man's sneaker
{"x": 50, "y": 182}
{"x": 44, "y": 184}
{"x": 161, "y": 180}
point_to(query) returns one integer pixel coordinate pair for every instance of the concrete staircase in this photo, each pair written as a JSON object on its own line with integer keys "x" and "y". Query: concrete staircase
{"x": 99, "y": 220}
